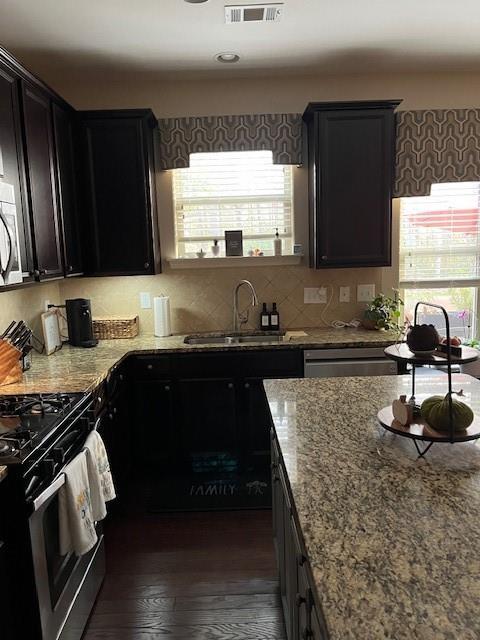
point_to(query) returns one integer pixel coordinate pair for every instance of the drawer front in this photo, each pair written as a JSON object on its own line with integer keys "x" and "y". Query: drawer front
{"x": 206, "y": 365}
{"x": 287, "y": 363}
{"x": 151, "y": 367}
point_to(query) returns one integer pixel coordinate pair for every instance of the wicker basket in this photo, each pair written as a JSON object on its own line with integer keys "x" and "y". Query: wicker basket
{"x": 111, "y": 328}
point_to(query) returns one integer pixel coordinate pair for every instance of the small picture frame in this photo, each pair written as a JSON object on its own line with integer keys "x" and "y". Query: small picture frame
{"x": 234, "y": 243}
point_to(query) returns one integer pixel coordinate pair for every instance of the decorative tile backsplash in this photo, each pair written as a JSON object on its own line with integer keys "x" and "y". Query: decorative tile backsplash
{"x": 201, "y": 300}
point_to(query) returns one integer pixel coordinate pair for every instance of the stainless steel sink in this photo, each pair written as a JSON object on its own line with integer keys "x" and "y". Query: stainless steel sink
{"x": 234, "y": 338}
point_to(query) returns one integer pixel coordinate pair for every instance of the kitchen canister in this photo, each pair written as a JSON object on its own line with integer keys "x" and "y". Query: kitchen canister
{"x": 161, "y": 315}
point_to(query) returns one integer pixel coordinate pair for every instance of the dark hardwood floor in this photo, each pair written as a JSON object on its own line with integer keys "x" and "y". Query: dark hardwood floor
{"x": 189, "y": 576}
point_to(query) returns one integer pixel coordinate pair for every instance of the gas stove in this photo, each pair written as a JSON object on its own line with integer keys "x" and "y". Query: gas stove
{"x": 26, "y": 421}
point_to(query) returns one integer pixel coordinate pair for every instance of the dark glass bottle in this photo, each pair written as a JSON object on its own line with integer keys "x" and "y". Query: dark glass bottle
{"x": 274, "y": 318}
{"x": 264, "y": 318}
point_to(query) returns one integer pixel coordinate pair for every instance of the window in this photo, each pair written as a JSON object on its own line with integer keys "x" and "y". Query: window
{"x": 231, "y": 191}
{"x": 440, "y": 253}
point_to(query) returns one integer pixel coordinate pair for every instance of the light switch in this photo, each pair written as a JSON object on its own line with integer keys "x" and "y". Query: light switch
{"x": 365, "y": 292}
{"x": 145, "y": 300}
{"x": 344, "y": 295}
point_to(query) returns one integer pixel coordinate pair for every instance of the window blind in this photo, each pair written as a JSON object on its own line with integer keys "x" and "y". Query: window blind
{"x": 440, "y": 237}
{"x": 231, "y": 191}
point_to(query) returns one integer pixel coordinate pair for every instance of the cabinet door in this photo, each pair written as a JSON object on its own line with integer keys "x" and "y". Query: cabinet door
{"x": 5, "y": 583}
{"x": 63, "y": 125}
{"x": 317, "y": 626}
{"x": 351, "y": 155}
{"x": 118, "y": 197}
{"x": 256, "y": 423}
{"x": 41, "y": 183}
{"x": 207, "y": 422}
{"x": 11, "y": 160}
{"x": 356, "y": 176}
{"x": 153, "y": 443}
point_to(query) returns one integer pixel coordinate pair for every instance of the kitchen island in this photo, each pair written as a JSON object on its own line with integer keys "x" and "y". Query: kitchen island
{"x": 390, "y": 541}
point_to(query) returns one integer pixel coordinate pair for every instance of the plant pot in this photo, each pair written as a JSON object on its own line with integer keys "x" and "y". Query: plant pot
{"x": 369, "y": 324}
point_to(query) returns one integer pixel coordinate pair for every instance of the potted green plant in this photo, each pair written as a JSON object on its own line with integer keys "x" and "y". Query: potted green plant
{"x": 383, "y": 312}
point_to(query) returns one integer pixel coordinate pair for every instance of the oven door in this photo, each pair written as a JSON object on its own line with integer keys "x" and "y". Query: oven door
{"x": 10, "y": 262}
{"x": 67, "y": 585}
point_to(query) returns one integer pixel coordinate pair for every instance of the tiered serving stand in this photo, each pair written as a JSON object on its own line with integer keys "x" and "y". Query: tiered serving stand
{"x": 418, "y": 430}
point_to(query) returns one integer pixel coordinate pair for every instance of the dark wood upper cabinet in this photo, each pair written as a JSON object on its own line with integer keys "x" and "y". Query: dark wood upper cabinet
{"x": 119, "y": 192}
{"x": 11, "y": 160}
{"x": 64, "y": 132}
{"x": 40, "y": 163}
{"x": 351, "y": 161}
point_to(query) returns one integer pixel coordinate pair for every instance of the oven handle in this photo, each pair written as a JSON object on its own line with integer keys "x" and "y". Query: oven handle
{"x": 50, "y": 491}
{"x": 6, "y": 272}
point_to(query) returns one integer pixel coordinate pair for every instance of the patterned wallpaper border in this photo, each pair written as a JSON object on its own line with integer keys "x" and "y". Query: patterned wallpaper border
{"x": 440, "y": 145}
{"x": 279, "y": 132}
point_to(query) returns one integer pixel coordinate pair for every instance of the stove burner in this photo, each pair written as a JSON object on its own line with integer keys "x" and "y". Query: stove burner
{"x": 35, "y": 405}
{"x": 7, "y": 448}
{"x": 40, "y": 408}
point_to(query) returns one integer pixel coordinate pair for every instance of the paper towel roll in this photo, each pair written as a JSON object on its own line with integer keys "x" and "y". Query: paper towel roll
{"x": 161, "y": 313}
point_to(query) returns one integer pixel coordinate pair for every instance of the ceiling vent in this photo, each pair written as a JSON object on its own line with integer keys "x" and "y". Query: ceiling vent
{"x": 237, "y": 13}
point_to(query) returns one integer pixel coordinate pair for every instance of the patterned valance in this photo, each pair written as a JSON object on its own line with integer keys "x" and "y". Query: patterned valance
{"x": 436, "y": 146}
{"x": 280, "y": 133}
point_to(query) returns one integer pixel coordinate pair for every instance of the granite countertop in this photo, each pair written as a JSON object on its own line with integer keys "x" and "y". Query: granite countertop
{"x": 76, "y": 369}
{"x": 392, "y": 539}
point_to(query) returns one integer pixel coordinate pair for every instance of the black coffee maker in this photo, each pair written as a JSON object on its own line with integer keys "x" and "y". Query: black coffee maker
{"x": 79, "y": 320}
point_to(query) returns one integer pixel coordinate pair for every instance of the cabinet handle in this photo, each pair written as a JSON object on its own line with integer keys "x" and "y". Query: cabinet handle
{"x": 324, "y": 257}
{"x": 146, "y": 265}
{"x": 167, "y": 387}
{"x": 230, "y": 385}
{"x": 149, "y": 367}
{"x": 247, "y": 385}
{"x": 301, "y": 559}
{"x": 34, "y": 273}
{"x": 120, "y": 377}
{"x": 114, "y": 410}
{"x": 299, "y": 600}
{"x": 70, "y": 268}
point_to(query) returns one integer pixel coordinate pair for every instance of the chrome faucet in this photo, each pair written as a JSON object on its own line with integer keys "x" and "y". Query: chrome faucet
{"x": 242, "y": 318}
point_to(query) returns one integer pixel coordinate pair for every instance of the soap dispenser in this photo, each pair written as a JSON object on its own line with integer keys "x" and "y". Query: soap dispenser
{"x": 264, "y": 318}
{"x": 277, "y": 244}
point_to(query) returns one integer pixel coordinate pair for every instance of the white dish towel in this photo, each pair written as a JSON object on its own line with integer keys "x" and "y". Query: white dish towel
{"x": 76, "y": 521}
{"x": 102, "y": 489}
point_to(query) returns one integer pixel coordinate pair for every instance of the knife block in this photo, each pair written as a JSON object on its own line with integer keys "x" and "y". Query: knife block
{"x": 10, "y": 365}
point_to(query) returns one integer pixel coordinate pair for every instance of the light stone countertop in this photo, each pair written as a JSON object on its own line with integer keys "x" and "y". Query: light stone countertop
{"x": 77, "y": 369}
{"x": 392, "y": 539}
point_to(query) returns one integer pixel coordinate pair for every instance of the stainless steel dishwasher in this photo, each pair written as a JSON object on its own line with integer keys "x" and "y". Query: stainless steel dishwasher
{"x": 362, "y": 361}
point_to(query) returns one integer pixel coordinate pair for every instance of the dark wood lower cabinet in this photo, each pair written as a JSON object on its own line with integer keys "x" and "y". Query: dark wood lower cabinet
{"x": 202, "y": 427}
{"x": 302, "y": 614}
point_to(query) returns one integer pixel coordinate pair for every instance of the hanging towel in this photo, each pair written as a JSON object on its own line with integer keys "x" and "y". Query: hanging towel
{"x": 76, "y": 521}
{"x": 99, "y": 475}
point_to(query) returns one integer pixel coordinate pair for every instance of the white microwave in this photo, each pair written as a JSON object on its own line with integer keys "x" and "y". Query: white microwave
{"x": 10, "y": 260}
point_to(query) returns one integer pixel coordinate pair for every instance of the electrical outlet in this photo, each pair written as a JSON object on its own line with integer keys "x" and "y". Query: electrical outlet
{"x": 315, "y": 295}
{"x": 365, "y": 292}
{"x": 145, "y": 300}
{"x": 344, "y": 295}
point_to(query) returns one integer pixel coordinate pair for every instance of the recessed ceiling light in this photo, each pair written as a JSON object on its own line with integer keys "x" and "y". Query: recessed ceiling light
{"x": 227, "y": 57}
